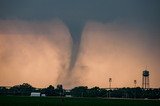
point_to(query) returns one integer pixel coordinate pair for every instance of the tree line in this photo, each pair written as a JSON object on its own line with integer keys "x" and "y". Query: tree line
{"x": 25, "y": 89}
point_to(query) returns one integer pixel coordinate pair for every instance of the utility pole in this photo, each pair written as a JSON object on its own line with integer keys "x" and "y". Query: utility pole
{"x": 135, "y": 83}
{"x": 110, "y": 81}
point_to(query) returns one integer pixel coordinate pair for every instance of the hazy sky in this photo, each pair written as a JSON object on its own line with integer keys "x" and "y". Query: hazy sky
{"x": 79, "y": 42}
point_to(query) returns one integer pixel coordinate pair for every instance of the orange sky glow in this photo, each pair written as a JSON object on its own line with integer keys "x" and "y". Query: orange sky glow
{"x": 39, "y": 53}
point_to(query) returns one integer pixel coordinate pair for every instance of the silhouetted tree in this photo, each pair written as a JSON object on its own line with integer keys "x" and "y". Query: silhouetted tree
{"x": 94, "y": 92}
{"x": 80, "y": 91}
{"x": 3, "y": 91}
{"x": 59, "y": 90}
{"x": 49, "y": 91}
{"x": 24, "y": 89}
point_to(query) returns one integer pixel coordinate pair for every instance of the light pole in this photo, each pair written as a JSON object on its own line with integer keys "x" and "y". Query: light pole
{"x": 135, "y": 83}
{"x": 110, "y": 80}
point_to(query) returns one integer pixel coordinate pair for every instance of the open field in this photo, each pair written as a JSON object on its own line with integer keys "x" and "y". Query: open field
{"x": 53, "y": 101}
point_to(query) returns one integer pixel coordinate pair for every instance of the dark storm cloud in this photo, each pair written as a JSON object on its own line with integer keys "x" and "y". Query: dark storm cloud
{"x": 76, "y": 12}
{"x": 80, "y": 10}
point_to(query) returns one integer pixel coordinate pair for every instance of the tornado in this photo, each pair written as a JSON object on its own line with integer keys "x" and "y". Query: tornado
{"x": 76, "y": 32}
{"x": 66, "y": 76}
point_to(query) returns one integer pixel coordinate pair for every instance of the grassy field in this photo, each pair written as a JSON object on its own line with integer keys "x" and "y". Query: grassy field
{"x": 52, "y": 101}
